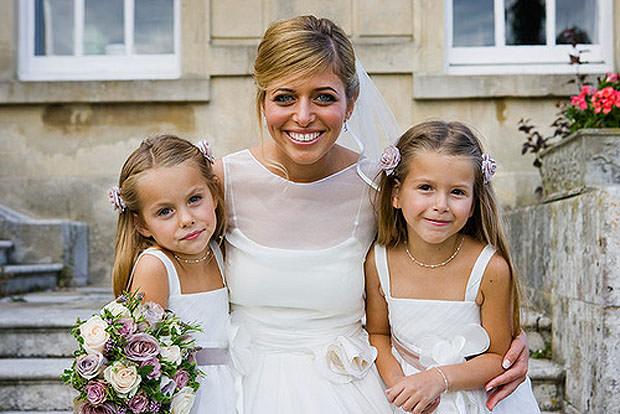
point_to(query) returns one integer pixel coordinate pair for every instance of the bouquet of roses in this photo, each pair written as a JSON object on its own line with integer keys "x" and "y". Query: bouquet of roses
{"x": 133, "y": 358}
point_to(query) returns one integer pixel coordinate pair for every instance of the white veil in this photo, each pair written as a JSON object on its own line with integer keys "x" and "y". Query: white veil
{"x": 372, "y": 122}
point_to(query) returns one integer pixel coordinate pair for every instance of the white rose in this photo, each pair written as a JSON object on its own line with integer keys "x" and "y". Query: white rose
{"x": 182, "y": 401}
{"x": 93, "y": 331}
{"x": 171, "y": 354}
{"x": 117, "y": 309}
{"x": 123, "y": 378}
{"x": 165, "y": 340}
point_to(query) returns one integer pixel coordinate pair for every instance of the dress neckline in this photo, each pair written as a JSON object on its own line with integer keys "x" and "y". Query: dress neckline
{"x": 301, "y": 184}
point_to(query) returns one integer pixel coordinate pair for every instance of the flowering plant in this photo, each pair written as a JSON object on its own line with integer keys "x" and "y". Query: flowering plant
{"x": 133, "y": 358}
{"x": 593, "y": 107}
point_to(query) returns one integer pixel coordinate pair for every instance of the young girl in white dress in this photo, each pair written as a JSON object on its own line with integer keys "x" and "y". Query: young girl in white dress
{"x": 442, "y": 297}
{"x": 171, "y": 217}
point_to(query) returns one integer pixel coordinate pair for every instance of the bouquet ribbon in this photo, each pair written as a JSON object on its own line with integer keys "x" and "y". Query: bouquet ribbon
{"x": 213, "y": 356}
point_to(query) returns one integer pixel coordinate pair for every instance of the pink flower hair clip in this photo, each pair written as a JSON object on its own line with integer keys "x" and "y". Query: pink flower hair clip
{"x": 390, "y": 158}
{"x": 114, "y": 195}
{"x": 205, "y": 149}
{"x": 488, "y": 167}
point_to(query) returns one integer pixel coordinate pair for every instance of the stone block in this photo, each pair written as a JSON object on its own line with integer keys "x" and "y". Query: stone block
{"x": 588, "y": 158}
{"x": 393, "y": 18}
{"x": 339, "y": 11}
{"x": 234, "y": 19}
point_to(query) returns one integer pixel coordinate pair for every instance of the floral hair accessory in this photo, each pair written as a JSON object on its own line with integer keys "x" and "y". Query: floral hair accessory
{"x": 204, "y": 147}
{"x": 114, "y": 195}
{"x": 390, "y": 158}
{"x": 489, "y": 166}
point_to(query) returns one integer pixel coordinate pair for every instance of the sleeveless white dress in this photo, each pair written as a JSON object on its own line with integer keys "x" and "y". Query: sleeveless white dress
{"x": 446, "y": 332}
{"x": 217, "y": 394}
{"x": 296, "y": 285}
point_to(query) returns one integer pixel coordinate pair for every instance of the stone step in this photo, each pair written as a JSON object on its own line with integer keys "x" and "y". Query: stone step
{"x": 33, "y": 384}
{"x": 39, "y": 325}
{"x": 5, "y": 247}
{"x": 547, "y": 383}
{"x": 538, "y": 329}
{"x": 20, "y": 278}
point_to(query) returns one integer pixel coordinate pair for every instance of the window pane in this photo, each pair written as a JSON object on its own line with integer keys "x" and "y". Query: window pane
{"x": 473, "y": 23}
{"x": 576, "y": 21}
{"x": 53, "y": 28}
{"x": 525, "y": 22}
{"x": 104, "y": 32}
{"x": 154, "y": 26}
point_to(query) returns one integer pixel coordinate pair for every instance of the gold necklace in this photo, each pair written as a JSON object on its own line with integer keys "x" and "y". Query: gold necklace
{"x": 435, "y": 266}
{"x": 193, "y": 261}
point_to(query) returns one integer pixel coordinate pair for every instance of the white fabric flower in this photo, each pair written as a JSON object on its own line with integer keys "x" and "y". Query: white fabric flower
{"x": 93, "y": 331}
{"x": 346, "y": 359}
{"x": 471, "y": 340}
{"x": 182, "y": 401}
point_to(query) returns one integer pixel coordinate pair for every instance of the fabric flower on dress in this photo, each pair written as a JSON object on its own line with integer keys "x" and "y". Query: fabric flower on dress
{"x": 346, "y": 359}
{"x": 471, "y": 340}
{"x": 390, "y": 158}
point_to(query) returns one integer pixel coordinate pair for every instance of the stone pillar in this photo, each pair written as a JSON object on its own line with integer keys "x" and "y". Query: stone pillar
{"x": 568, "y": 252}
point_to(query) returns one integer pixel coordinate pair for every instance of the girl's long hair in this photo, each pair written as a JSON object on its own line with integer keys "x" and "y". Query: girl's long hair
{"x": 158, "y": 151}
{"x": 485, "y": 224}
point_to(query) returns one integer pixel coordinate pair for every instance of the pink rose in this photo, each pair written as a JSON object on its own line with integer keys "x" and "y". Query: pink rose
{"x": 156, "y": 371}
{"x": 181, "y": 378}
{"x": 96, "y": 392}
{"x": 88, "y": 408}
{"x": 389, "y": 159}
{"x": 90, "y": 365}
{"x": 613, "y": 77}
{"x": 141, "y": 347}
{"x": 139, "y": 403}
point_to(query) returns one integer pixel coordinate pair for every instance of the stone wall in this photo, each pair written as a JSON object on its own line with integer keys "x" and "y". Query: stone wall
{"x": 567, "y": 254}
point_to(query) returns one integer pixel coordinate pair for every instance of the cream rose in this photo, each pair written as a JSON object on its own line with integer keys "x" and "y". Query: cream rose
{"x": 93, "y": 331}
{"x": 123, "y": 378}
{"x": 171, "y": 354}
{"x": 182, "y": 401}
{"x": 117, "y": 309}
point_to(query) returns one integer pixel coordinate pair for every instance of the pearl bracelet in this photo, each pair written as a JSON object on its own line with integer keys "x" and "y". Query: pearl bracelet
{"x": 443, "y": 377}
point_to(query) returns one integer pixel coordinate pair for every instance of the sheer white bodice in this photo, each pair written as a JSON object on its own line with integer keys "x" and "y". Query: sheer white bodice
{"x": 294, "y": 266}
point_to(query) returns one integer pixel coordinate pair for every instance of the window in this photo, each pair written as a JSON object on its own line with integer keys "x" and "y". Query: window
{"x": 528, "y": 36}
{"x": 98, "y": 40}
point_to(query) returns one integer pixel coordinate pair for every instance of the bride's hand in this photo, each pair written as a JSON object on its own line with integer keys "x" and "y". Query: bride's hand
{"x": 516, "y": 364}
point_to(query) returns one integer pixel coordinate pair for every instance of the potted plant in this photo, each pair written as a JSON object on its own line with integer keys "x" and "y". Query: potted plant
{"x": 584, "y": 149}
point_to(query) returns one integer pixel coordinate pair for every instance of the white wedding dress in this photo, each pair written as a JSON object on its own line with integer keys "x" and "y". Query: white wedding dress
{"x": 294, "y": 266}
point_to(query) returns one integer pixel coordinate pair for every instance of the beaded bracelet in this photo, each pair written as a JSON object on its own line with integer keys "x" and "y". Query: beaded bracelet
{"x": 445, "y": 379}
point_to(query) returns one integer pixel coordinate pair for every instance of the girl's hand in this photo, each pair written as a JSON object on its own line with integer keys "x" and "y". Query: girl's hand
{"x": 415, "y": 393}
{"x": 516, "y": 363}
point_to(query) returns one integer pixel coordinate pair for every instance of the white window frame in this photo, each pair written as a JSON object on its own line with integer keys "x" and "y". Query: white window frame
{"x": 543, "y": 59}
{"x": 99, "y": 67}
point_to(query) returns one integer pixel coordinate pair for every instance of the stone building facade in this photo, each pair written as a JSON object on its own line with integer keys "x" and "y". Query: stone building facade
{"x": 63, "y": 141}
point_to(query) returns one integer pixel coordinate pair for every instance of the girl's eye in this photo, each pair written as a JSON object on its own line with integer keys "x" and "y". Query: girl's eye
{"x": 195, "y": 198}
{"x": 424, "y": 187}
{"x": 284, "y": 99}
{"x": 325, "y": 98}
{"x": 164, "y": 212}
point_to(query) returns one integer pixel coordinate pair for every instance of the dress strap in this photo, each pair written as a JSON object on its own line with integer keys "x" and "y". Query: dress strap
{"x": 174, "y": 286}
{"x": 219, "y": 258}
{"x": 477, "y": 272}
{"x": 381, "y": 264}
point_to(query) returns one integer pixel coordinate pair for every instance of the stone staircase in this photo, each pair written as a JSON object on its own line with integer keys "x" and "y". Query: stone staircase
{"x": 20, "y": 277}
{"x": 36, "y": 346}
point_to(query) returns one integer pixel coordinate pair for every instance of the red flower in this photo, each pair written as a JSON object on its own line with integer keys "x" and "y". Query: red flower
{"x": 580, "y": 101}
{"x": 605, "y": 99}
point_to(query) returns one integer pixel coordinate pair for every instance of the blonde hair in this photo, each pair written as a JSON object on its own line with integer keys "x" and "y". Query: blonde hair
{"x": 154, "y": 152}
{"x": 485, "y": 224}
{"x": 300, "y": 47}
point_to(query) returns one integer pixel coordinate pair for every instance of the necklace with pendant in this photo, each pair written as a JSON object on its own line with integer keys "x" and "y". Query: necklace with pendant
{"x": 436, "y": 265}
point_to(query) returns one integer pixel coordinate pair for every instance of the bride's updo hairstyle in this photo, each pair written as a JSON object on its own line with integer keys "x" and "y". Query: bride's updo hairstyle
{"x": 301, "y": 47}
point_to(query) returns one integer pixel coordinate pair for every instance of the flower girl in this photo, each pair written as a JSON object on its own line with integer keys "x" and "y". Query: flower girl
{"x": 442, "y": 296}
{"x": 171, "y": 217}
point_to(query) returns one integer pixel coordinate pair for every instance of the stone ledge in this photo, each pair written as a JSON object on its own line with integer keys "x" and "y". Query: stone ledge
{"x": 178, "y": 90}
{"x": 33, "y": 369}
{"x": 492, "y": 86}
